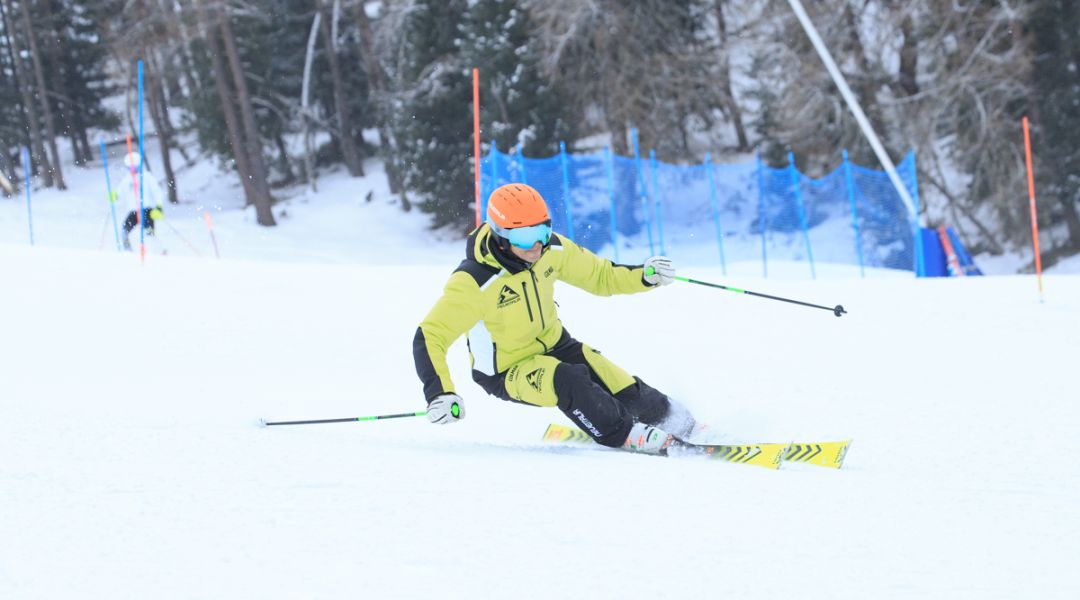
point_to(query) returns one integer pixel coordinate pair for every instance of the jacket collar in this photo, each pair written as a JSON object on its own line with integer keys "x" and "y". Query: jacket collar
{"x": 483, "y": 248}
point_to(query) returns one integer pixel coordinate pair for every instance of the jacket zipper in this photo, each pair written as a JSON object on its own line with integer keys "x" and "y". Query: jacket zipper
{"x": 539, "y": 308}
{"x": 528, "y": 305}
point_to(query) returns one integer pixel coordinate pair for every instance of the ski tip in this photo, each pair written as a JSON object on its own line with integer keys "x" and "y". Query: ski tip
{"x": 262, "y": 423}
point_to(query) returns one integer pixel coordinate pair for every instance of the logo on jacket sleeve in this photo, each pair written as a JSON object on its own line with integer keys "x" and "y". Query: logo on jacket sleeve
{"x": 535, "y": 378}
{"x": 508, "y": 296}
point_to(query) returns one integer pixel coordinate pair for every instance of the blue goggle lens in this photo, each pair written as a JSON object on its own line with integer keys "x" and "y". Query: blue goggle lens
{"x": 526, "y": 237}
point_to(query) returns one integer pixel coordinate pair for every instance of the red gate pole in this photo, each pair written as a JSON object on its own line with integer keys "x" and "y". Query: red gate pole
{"x": 1031, "y": 203}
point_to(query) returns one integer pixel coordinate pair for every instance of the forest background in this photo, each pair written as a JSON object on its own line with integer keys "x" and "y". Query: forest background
{"x": 276, "y": 91}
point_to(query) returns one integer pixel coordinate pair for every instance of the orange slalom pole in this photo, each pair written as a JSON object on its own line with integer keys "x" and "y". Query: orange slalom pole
{"x": 210, "y": 226}
{"x": 476, "y": 137}
{"x": 1031, "y": 203}
{"x": 135, "y": 185}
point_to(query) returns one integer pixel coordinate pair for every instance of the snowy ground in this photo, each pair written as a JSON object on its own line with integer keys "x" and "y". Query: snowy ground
{"x": 131, "y": 465}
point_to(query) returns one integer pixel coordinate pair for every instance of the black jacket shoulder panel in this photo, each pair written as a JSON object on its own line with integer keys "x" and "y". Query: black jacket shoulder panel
{"x": 481, "y": 273}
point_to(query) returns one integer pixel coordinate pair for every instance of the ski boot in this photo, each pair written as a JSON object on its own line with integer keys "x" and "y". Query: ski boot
{"x": 648, "y": 439}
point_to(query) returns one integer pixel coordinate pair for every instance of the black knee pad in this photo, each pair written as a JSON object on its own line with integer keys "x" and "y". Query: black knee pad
{"x": 645, "y": 402}
{"x": 590, "y": 406}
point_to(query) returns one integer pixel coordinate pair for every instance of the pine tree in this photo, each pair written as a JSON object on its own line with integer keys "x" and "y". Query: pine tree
{"x": 431, "y": 100}
{"x": 1056, "y": 78}
{"x": 519, "y": 105}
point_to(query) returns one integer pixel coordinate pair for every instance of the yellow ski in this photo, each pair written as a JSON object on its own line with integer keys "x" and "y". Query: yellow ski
{"x": 822, "y": 454}
{"x": 761, "y": 455}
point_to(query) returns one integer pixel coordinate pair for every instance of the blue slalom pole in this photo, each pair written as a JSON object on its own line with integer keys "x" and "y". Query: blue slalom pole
{"x": 566, "y": 189}
{"x": 142, "y": 183}
{"x": 849, "y": 183}
{"x": 716, "y": 212}
{"x": 494, "y": 177}
{"x": 108, "y": 190}
{"x": 26, "y": 181}
{"x": 644, "y": 190}
{"x": 920, "y": 256}
{"x": 764, "y": 215}
{"x": 658, "y": 207}
{"x": 609, "y": 161}
{"x": 802, "y": 211}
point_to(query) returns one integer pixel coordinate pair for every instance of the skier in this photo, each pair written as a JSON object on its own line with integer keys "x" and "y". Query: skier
{"x": 502, "y": 296}
{"x": 151, "y": 198}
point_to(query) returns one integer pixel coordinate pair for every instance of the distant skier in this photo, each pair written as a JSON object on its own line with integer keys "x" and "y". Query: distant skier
{"x": 502, "y": 296}
{"x": 128, "y": 193}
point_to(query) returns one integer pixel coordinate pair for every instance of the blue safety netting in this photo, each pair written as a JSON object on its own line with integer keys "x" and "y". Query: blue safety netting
{"x": 628, "y": 208}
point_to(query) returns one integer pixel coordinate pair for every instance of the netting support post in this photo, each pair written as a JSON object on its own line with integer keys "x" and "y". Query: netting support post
{"x": 566, "y": 189}
{"x": 657, "y": 206}
{"x": 521, "y": 165}
{"x": 609, "y": 163}
{"x": 802, "y": 211}
{"x": 849, "y": 184}
{"x": 716, "y": 212}
{"x": 763, "y": 215}
{"x": 644, "y": 189}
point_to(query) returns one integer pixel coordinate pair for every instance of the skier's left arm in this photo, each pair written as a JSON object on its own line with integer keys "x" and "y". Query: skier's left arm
{"x": 581, "y": 268}
{"x": 454, "y": 313}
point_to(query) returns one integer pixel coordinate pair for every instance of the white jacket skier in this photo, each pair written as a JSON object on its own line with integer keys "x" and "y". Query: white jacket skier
{"x": 127, "y": 195}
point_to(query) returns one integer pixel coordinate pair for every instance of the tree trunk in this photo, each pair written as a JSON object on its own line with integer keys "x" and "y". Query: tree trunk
{"x": 305, "y": 106}
{"x": 730, "y": 105}
{"x": 345, "y": 136}
{"x": 164, "y": 137}
{"x": 43, "y": 92}
{"x": 164, "y": 64}
{"x": 283, "y": 160}
{"x": 22, "y": 80}
{"x": 263, "y": 201}
{"x": 1072, "y": 220}
{"x": 909, "y": 57}
{"x": 228, "y": 108}
{"x": 6, "y": 166}
{"x": 79, "y": 135}
{"x": 377, "y": 83}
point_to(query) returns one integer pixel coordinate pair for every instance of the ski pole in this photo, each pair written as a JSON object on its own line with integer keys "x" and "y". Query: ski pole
{"x": 837, "y": 310}
{"x": 346, "y": 420}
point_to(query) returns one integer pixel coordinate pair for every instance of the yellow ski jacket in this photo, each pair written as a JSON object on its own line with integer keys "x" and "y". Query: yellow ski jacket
{"x": 507, "y": 309}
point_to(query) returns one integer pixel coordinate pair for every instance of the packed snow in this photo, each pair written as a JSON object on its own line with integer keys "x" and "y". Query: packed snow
{"x": 132, "y": 464}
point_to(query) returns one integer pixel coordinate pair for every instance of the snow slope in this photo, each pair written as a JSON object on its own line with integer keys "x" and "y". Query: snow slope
{"x": 132, "y": 466}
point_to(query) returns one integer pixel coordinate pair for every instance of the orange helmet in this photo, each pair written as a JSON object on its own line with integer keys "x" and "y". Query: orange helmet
{"x": 516, "y": 205}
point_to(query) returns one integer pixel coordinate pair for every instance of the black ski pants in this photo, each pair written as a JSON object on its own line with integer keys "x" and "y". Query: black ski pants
{"x": 602, "y": 399}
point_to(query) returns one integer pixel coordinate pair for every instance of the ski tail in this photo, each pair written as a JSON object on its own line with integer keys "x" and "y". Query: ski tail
{"x": 562, "y": 433}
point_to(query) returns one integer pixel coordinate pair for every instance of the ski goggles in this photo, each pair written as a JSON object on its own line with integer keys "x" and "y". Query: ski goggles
{"x": 525, "y": 237}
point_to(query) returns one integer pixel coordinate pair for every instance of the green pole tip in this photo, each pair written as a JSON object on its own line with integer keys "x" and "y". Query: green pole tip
{"x": 455, "y": 410}
{"x": 649, "y": 270}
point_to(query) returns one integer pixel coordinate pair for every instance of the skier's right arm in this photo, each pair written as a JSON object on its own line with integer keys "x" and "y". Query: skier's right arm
{"x": 455, "y": 313}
